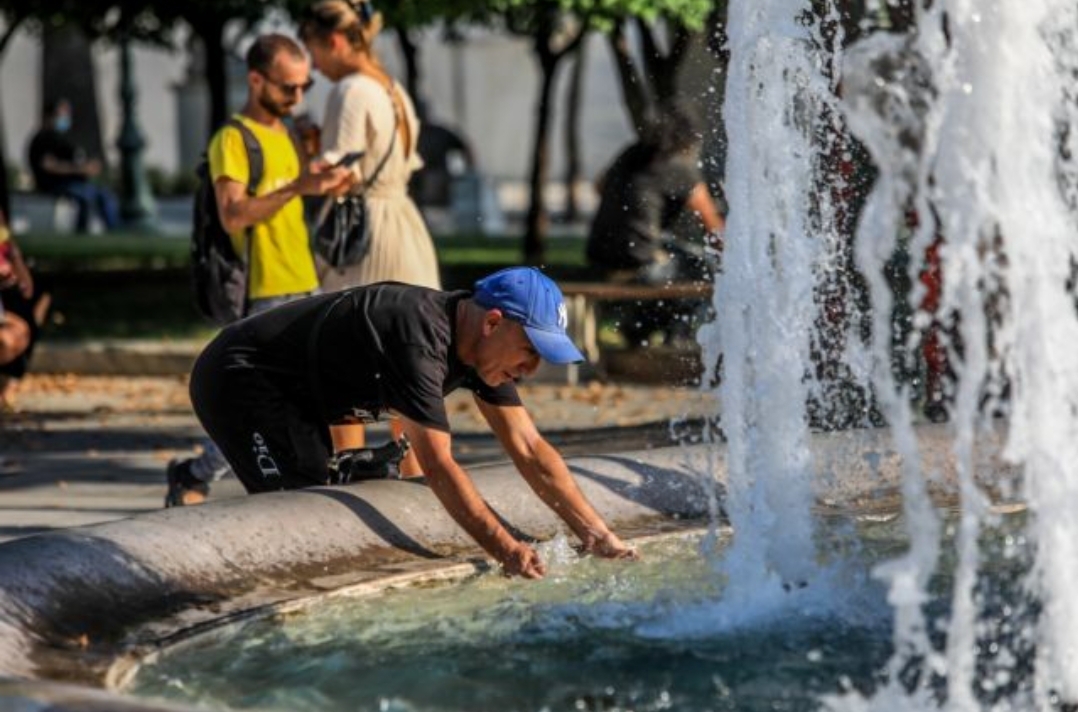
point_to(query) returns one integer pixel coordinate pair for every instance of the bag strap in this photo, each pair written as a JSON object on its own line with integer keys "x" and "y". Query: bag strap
{"x": 368, "y": 182}
{"x": 256, "y": 166}
{"x": 382, "y": 163}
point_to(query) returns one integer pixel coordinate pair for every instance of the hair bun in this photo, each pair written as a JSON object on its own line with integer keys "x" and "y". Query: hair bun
{"x": 364, "y": 10}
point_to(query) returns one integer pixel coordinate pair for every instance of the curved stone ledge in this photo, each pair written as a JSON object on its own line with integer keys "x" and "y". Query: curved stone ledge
{"x": 73, "y": 601}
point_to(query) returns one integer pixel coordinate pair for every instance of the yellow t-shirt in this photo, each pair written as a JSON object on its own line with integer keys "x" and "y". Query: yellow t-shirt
{"x": 281, "y": 261}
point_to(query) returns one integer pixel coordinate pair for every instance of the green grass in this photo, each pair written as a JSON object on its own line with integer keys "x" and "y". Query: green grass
{"x": 118, "y": 251}
{"x": 129, "y": 304}
{"x": 145, "y": 251}
{"x": 138, "y": 286}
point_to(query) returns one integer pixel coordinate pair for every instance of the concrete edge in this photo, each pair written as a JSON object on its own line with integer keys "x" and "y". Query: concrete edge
{"x": 74, "y": 602}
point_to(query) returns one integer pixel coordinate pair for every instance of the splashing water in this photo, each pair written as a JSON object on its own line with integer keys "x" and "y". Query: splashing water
{"x": 765, "y": 297}
{"x": 970, "y": 120}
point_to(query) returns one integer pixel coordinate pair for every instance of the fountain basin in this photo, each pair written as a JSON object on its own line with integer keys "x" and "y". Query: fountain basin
{"x": 84, "y": 605}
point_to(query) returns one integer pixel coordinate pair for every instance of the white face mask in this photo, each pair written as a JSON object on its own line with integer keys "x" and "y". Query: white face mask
{"x": 62, "y": 123}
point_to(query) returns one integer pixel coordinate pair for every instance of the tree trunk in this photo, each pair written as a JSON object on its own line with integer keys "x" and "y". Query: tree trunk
{"x": 633, "y": 91}
{"x": 5, "y": 189}
{"x": 572, "y": 133}
{"x": 212, "y": 35}
{"x": 536, "y": 221}
{"x": 661, "y": 69}
{"x": 67, "y": 72}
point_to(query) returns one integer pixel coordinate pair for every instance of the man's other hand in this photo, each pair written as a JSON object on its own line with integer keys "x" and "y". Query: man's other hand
{"x": 611, "y": 547}
{"x": 524, "y": 561}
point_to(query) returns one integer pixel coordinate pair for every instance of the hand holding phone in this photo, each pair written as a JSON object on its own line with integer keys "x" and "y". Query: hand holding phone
{"x": 349, "y": 159}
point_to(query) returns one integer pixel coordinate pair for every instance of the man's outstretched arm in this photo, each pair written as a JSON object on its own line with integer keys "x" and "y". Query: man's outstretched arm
{"x": 546, "y": 472}
{"x": 454, "y": 489}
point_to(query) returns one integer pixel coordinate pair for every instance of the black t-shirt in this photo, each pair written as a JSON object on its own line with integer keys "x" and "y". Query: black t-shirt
{"x": 386, "y": 346}
{"x": 642, "y": 195}
{"x": 50, "y": 142}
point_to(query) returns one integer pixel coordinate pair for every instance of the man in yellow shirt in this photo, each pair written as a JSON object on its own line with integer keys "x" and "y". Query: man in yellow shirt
{"x": 280, "y": 264}
{"x": 267, "y": 228}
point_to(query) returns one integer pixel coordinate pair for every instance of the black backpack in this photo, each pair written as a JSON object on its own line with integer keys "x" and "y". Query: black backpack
{"x": 218, "y": 273}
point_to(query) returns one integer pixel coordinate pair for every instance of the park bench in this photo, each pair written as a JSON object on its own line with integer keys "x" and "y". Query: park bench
{"x": 585, "y": 299}
{"x": 44, "y": 212}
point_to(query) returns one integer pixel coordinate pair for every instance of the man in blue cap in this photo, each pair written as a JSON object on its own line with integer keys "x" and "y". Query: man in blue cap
{"x": 268, "y": 387}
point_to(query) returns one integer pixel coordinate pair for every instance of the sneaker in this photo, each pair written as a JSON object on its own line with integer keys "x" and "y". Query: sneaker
{"x": 184, "y": 489}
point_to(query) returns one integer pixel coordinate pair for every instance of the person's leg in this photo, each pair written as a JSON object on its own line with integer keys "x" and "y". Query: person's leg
{"x": 14, "y": 340}
{"x": 409, "y": 466}
{"x": 189, "y": 480}
{"x": 32, "y": 312}
{"x": 354, "y": 436}
{"x": 194, "y": 475}
{"x": 349, "y": 436}
{"x": 689, "y": 262}
{"x": 83, "y": 195}
{"x": 269, "y": 442}
{"x": 107, "y": 206}
{"x": 14, "y": 337}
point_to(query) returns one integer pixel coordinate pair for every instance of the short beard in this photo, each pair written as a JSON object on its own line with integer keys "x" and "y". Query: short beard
{"x": 274, "y": 108}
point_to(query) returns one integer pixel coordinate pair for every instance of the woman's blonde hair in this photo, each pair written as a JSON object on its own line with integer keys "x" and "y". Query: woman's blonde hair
{"x": 355, "y": 19}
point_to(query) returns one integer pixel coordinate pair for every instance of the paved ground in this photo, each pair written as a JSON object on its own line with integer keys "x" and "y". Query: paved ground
{"x": 85, "y": 449}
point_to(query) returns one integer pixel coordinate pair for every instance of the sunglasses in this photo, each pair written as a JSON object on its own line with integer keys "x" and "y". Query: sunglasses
{"x": 290, "y": 88}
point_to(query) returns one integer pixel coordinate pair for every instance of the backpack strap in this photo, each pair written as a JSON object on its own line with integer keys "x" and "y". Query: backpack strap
{"x": 255, "y": 158}
{"x": 256, "y": 166}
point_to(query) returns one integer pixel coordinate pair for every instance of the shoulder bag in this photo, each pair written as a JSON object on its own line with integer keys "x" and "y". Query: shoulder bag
{"x": 342, "y": 236}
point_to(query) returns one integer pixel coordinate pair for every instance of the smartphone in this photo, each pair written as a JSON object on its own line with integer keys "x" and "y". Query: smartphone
{"x": 349, "y": 158}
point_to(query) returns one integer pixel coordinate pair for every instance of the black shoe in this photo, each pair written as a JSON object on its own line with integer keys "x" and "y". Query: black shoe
{"x": 180, "y": 482}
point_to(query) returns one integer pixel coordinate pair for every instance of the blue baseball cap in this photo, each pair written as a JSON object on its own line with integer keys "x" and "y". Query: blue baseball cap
{"x": 527, "y": 296}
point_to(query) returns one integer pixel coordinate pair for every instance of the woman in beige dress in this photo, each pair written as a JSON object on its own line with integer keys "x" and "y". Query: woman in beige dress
{"x": 362, "y": 110}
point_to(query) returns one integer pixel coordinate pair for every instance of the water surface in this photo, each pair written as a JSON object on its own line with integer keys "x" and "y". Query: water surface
{"x": 594, "y": 635}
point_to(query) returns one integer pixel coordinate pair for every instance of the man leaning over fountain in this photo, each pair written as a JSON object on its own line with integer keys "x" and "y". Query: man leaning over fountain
{"x": 268, "y": 387}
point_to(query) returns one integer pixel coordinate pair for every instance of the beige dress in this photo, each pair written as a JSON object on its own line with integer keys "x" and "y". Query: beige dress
{"x": 360, "y": 117}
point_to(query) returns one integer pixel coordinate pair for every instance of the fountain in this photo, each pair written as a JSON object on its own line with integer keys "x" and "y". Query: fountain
{"x": 968, "y": 121}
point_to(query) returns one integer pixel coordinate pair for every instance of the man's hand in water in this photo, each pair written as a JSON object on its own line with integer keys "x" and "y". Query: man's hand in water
{"x": 524, "y": 561}
{"x": 609, "y": 546}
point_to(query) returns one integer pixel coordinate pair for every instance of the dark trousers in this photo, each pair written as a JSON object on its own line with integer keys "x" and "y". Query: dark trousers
{"x": 271, "y": 441}
{"x": 89, "y": 197}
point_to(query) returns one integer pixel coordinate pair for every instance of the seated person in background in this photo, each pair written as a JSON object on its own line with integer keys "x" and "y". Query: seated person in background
{"x": 645, "y": 190}
{"x": 642, "y": 194}
{"x": 61, "y": 168}
{"x": 23, "y": 306}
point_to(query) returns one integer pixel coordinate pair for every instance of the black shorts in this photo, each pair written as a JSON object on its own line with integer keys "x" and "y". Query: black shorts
{"x": 270, "y": 440}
